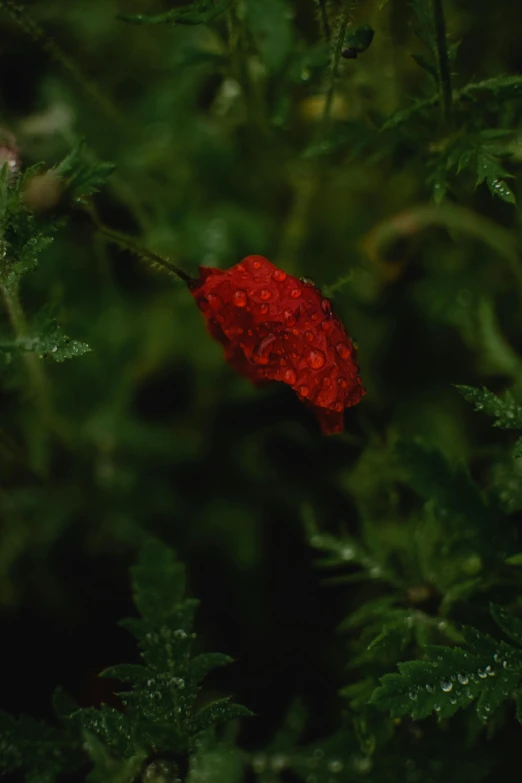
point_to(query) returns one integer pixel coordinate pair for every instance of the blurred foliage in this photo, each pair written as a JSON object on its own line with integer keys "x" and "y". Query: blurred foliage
{"x": 373, "y": 146}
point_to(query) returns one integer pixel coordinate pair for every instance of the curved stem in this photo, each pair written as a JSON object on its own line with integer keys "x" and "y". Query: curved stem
{"x": 128, "y": 243}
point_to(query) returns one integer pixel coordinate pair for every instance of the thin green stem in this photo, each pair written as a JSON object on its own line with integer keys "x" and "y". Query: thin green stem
{"x": 340, "y": 35}
{"x": 324, "y": 18}
{"x": 443, "y": 68}
{"x": 128, "y": 243}
{"x": 35, "y": 373}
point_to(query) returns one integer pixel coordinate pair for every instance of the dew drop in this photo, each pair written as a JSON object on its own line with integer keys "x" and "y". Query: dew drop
{"x": 214, "y": 301}
{"x": 289, "y": 376}
{"x": 482, "y": 674}
{"x": 279, "y": 275}
{"x": 413, "y": 695}
{"x": 180, "y": 634}
{"x": 304, "y": 391}
{"x": 309, "y": 335}
{"x": 453, "y": 700}
{"x": 265, "y": 294}
{"x": 240, "y": 298}
{"x": 289, "y": 317}
{"x": 437, "y": 707}
{"x": 343, "y": 350}
{"x": 463, "y": 679}
{"x": 430, "y": 688}
{"x": 315, "y": 359}
{"x": 295, "y": 293}
{"x": 446, "y": 685}
{"x": 326, "y": 306}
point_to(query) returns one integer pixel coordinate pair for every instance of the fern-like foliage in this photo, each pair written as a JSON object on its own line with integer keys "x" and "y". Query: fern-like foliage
{"x": 163, "y": 714}
{"x": 505, "y": 410}
{"x": 484, "y": 671}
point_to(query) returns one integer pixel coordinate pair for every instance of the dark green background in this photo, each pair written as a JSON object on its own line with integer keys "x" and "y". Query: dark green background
{"x": 208, "y": 128}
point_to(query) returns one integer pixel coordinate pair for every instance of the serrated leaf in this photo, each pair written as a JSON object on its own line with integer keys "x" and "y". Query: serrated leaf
{"x": 485, "y": 671}
{"x": 158, "y": 582}
{"x": 50, "y": 342}
{"x": 507, "y": 413}
{"x": 83, "y": 178}
{"x": 201, "y": 665}
{"x": 219, "y": 711}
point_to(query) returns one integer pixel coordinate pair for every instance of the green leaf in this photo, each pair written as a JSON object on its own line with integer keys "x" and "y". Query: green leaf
{"x": 49, "y": 342}
{"x": 41, "y": 750}
{"x": 270, "y": 24}
{"x": 81, "y": 178}
{"x": 219, "y": 711}
{"x": 506, "y": 412}
{"x": 201, "y": 12}
{"x": 484, "y": 671}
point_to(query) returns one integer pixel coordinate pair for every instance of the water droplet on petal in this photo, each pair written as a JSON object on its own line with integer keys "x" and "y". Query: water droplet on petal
{"x": 338, "y": 407}
{"x": 343, "y": 383}
{"x": 214, "y": 301}
{"x": 309, "y": 335}
{"x": 289, "y": 317}
{"x": 256, "y": 264}
{"x": 265, "y": 294}
{"x": 343, "y": 350}
{"x": 263, "y": 309}
{"x": 314, "y": 316}
{"x": 326, "y": 306}
{"x": 279, "y": 275}
{"x": 289, "y": 376}
{"x": 240, "y": 298}
{"x": 304, "y": 391}
{"x": 327, "y": 382}
{"x": 315, "y": 359}
{"x": 326, "y": 326}
{"x": 295, "y": 293}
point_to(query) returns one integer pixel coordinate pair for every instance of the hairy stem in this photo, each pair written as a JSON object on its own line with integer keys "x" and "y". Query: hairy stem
{"x": 128, "y": 243}
{"x": 35, "y": 373}
{"x": 324, "y": 18}
{"x": 340, "y": 35}
{"x": 443, "y": 68}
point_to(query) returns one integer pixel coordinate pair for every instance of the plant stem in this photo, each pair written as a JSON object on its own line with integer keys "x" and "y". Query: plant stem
{"x": 324, "y": 18}
{"x": 340, "y": 35}
{"x": 442, "y": 61}
{"x": 128, "y": 243}
{"x": 37, "y": 378}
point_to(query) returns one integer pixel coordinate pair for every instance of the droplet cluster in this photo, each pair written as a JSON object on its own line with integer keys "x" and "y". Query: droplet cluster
{"x": 275, "y": 327}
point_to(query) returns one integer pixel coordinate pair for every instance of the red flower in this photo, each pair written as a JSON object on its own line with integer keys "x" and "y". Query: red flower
{"x": 275, "y": 327}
